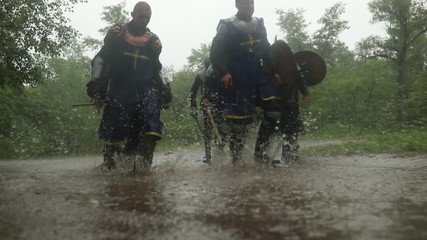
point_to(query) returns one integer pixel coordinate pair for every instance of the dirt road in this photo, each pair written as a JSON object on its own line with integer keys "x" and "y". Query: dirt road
{"x": 348, "y": 197}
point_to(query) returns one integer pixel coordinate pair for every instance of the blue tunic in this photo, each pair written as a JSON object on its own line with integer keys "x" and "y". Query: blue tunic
{"x": 239, "y": 53}
{"x": 133, "y": 105}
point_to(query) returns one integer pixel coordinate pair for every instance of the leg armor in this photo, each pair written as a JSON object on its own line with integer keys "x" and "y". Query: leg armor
{"x": 267, "y": 129}
{"x": 237, "y": 141}
{"x": 146, "y": 150}
{"x": 109, "y": 151}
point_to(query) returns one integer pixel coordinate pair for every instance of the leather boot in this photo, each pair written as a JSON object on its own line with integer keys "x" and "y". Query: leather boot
{"x": 147, "y": 147}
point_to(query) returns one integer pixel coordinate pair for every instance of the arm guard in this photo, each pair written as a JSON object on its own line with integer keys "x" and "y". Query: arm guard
{"x": 302, "y": 85}
{"x": 97, "y": 87}
{"x": 164, "y": 89}
{"x": 194, "y": 89}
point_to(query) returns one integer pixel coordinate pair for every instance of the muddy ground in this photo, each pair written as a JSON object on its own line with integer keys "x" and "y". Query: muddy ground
{"x": 346, "y": 197}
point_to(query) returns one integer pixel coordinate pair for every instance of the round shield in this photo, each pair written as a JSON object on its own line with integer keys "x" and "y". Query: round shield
{"x": 313, "y": 66}
{"x": 284, "y": 60}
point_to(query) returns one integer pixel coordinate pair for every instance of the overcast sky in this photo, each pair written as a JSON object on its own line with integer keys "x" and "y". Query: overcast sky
{"x": 184, "y": 25}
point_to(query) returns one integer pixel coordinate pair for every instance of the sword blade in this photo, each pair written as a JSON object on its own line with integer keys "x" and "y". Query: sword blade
{"x": 83, "y": 105}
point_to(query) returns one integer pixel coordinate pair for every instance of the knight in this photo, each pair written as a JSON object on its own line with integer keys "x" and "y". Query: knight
{"x": 280, "y": 101}
{"x": 239, "y": 54}
{"x": 136, "y": 89}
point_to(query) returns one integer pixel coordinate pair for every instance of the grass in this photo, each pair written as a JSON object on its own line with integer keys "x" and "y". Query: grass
{"x": 402, "y": 142}
{"x": 411, "y": 141}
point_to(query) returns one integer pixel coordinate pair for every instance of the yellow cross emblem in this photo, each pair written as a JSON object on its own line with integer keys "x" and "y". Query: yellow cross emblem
{"x": 135, "y": 56}
{"x": 250, "y": 42}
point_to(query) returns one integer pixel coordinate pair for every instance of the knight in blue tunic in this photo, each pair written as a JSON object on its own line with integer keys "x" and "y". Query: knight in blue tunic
{"x": 239, "y": 54}
{"x": 132, "y": 111}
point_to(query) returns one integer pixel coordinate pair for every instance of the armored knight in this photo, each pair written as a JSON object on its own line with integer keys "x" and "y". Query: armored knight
{"x": 131, "y": 115}
{"x": 239, "y": 51}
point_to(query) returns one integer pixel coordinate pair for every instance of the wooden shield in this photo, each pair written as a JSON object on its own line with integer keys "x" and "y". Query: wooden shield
{"x": 312, "y": 65}
{"x": 285, "y": 62}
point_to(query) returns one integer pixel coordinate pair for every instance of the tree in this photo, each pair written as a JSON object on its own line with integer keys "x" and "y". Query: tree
{"x": 182, "y": 129}
{"x": 326, "y": 39}
{"x": 40, "y": 120}
{"x": 416, "y": 105}
{"x": 196, "y": 59}
{"x": 293, "y": 24}
{"x": 114, "y": 14}
{"x": 406, "y": 27}
{"x": 359, "y": 97}
{"x": 29, "y": 32}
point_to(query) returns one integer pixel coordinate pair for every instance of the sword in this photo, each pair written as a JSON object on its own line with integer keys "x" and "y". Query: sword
{"x": 83, "y": 105}
{"x": 198, "y": 124}
{"x": 214, "y": 126}
{"x": 98, "y": 108}
{"x": 249, "y": 103}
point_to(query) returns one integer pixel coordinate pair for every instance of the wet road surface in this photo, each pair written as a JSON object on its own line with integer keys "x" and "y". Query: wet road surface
{"x": 347, "y": 197}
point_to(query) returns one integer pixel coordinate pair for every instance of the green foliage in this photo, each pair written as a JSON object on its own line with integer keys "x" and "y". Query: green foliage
{"x": 181, "y": 84}
{"x": 405, "y": 21}
{"x": 196, "y": 59}
{"x": 357, "y": 97}
{"x": 331, "y": 23}
{"x": 394, "y": 141}
{"x": 294, "y": 25}
{"x": 28, "y": 30}
{"x": 325, "y": 41}
{"x": 21, "y": 122}
{"x": 7, "y": 109}
{"x": 405, "y": 26}
{"x": 41, "y": 121}
{"x": 356, "y": 103}
{"x": 180, "y": 128}
{"x": 115, "y": 14}
{"x": 416, "y": 105}
{"x": 69, "y": 87}
{"x": 182, "y": 133}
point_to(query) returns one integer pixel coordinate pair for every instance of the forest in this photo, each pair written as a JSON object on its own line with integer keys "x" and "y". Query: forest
{"x": 374, "y": 96}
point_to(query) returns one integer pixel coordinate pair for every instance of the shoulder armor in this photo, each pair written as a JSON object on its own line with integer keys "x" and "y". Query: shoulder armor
{"x": 155, "y": 40}
{"x": 222, "y": 26}
{"x": 246, "y": 27}
{"x": 149, "y": 38}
